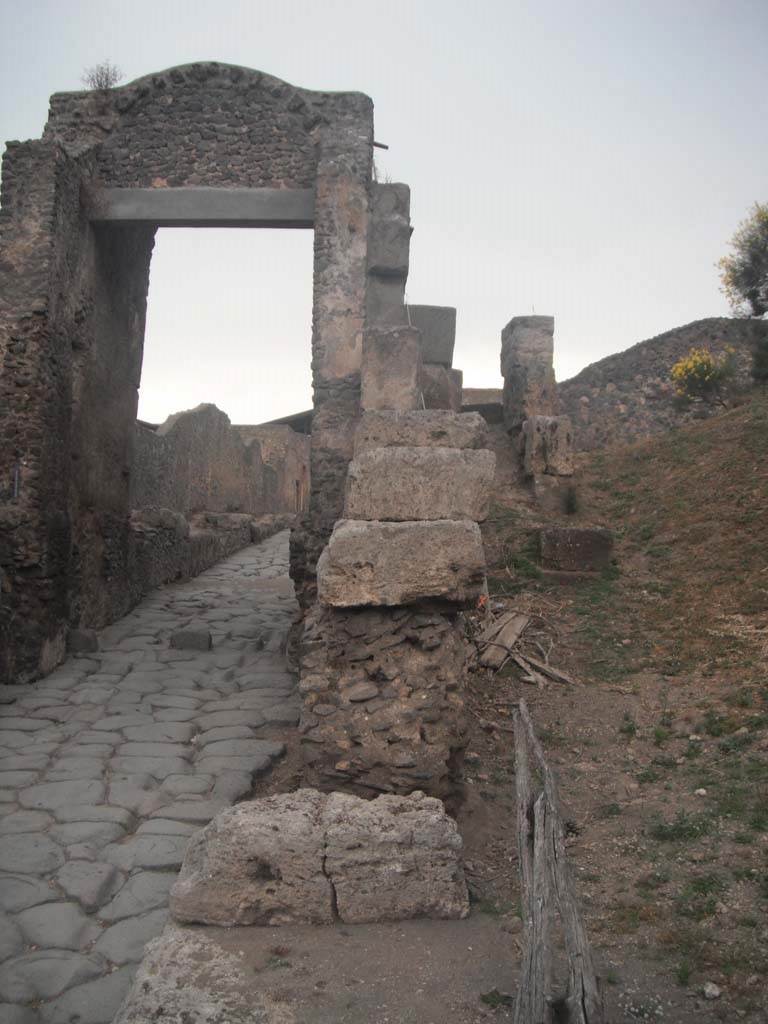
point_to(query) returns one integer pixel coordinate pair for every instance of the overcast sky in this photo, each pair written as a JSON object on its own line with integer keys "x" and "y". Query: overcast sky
{"x": 584, "y": 159}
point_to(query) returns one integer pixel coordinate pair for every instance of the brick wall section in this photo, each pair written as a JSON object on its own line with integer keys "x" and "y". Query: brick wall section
{"x": 629, "y": 395}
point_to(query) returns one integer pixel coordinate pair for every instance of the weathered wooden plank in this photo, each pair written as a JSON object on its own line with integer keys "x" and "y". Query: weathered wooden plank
{"x": 534, "y": 1004}
{"x": 499, "y": 649}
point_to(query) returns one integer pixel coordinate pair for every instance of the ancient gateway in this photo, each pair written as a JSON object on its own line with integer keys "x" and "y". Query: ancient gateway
{"x": 389, "y": 548}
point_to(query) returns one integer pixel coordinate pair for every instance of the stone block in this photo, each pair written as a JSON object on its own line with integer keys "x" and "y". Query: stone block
{"x": 389, "y": 237}
{"x": 393, "y": 858}
{"x": 391, "y": 369}
{"x": 384, "y": 300}
{"x": 192, "y": 640}
{"x": 375, "y": 563}
{"x": 259, "y": 862}
{"x": 404, "y": 484}
{"x": 548, "y": 446}
{"x": 424, "y": 428}
{"x": 82, "y": 641}
{"x": 576, "y": 549}
{"x": 438, "y": 332}
{"x": 441, "y": 387}
{"x": 527, "y": 349}
{"x": 286, "y": 859}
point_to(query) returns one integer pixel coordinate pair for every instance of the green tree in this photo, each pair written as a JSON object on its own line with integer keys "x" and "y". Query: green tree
{"x": 744, "y": 273}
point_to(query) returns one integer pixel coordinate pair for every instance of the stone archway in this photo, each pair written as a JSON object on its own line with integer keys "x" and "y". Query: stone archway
{"x": 200, "y": 144}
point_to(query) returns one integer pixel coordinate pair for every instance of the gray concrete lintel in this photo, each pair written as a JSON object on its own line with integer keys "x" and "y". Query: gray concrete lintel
{"x": 198, "y": 207}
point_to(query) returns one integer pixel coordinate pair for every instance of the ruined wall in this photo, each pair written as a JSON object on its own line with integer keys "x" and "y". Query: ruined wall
{"x": 629, "y": 395}
{"x": 285, "y": 455}
{"x": 197, "y": 461}
{"x": 72, "y": 309}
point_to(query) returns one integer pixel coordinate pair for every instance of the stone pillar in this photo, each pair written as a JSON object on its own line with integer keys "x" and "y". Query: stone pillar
{"x": 527, "y": 348}
{"x": 388, "y": 254}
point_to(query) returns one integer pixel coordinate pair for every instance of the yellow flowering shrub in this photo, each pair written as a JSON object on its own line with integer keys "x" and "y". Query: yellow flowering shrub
{"x": 700, "y": 374}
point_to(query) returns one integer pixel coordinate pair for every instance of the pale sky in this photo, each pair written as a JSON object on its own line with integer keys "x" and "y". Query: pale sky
{"x": 588, "y": 160}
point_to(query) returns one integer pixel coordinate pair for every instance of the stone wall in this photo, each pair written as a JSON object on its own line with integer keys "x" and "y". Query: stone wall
{"x": 629, "y": 395}
{"x": 285, "y": 458}
{"x": 72, "y": 310}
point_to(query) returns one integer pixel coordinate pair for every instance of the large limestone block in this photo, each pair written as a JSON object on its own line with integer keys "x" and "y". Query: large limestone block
{"x": 438, "y": 332}
{"x": 393, "y": 858}
{"x": 375, "y": 563}
{"x": 283, "y": 859}
{"x": 576, "y": 549}
{"x": 419, "y": 483}
{"x": 527, "y": 349}
{"x": 391, "y": 369}
{"x": 257, "y": 863}
{"x": 441, "y": 387}
{"x": 424, "y": 428}
{"x": 548, "y": 445}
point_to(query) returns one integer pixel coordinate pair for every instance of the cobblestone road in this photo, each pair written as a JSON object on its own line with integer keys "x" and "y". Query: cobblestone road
{"x": 110, "y": 763}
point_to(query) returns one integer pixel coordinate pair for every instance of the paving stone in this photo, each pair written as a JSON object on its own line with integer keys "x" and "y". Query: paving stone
{"x": 146, "y": 890}
{"x": 165, "y": 827}
{"x": 101, "y": 812}
{"x": 134, "y": 791}
{"x": 92, "y": 750}
{"x": 154, "y": 750}
{"x": 124, "y": 942}
{"x": 91, "y": 884}
{"x": 29, "y": 851}
{"x": 165, "y": 700}
{"x": 117, "y": 722}
{"x": 10, "y": 1014}
{"x": 175, "y": 715}
{"x": 49, "y": 795}
{"x": 11, "y": 940}
{"x": 99, "y": 737}
{"x": 158, "y": 767}
{"x": 25, "y": 821}
{"x": 15, "y": 780}
{"x": 20, "y": 724}
{"x": 95, "y": 1002}
{"x": 18, "y": 891}
{"x": 175, "y": 785}
{"x": 140, "y": 686}
{"x": 232, "y": 732}
{"x": 172, "y": 732}
{"x": 216, "y": 765}
{"x": 57, "y": 925}
{"x": 232, "y": 786}
{"x": 282, "y": 714}
{"x": 192, "y": 811}
{"x": 76, "y": 768}
{"x": 97, "y": 832}
{"x": 92, "y": 695}
{"x": 224, "y": 719}
{"x": 150, "y": 852}
{"x": 13, "y": 740}
{"x": 245, "y": 748}
{"x": 46, "y": 973}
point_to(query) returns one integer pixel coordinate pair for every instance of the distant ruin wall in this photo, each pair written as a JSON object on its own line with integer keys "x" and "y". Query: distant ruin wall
{"x": 285, "y": 456}
{"x": 630, "y": 395}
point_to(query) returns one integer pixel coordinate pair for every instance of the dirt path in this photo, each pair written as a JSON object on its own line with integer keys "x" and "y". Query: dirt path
{"x": 110, "y": 763}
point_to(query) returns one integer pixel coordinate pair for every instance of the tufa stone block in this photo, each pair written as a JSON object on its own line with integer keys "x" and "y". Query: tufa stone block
{"x": 192, "y": 640}
{"x": 424, "y": 428}
{"x": 375, "y": 563}
{"x": 284, "y": 859}
{"x": 527, "y": 349}
{"x": 389, "y": 238}
{"x": 576, "y": 549}
{"x": 391, "y": 369}
{"x": 548, "y": 446}
{"x": 440, "y": 387}
{"x": 419, "y": 484}
{"x": 438, "y": 332}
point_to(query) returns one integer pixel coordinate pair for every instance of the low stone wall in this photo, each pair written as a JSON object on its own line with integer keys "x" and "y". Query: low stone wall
{"x": 197, "y": 460}
{"x": 629, "y": 395}
{"x": 164, "y": 546}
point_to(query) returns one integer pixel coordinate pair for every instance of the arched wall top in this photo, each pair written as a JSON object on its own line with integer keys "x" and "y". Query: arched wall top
{"x": 211, "y": 124}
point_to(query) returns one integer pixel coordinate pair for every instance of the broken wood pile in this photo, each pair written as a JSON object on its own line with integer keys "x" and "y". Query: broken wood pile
{"x": 546, "y": 886}
{"x": 500, "y": 641}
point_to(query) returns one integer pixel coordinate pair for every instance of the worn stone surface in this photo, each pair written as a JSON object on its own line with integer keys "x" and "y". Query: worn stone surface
{"x": 419, "y": 484}
{"x": 424, "y": 428}
{"x": 257, "y": 863}
{"x": 192, "y": 640}
{"x": 391, "y": 369}
{"x": 548, "y": 446}
{"x": 437, "y": 326}
{"x": 576, "y": 549}
{"x": 393, "y": 858}
{"x": 117, "y": 789}
{"x": 285, "y": 859}
{"x": 375, "y": 563}
{"x": 441, "y": 387}
{"x": 527, "y": 350}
